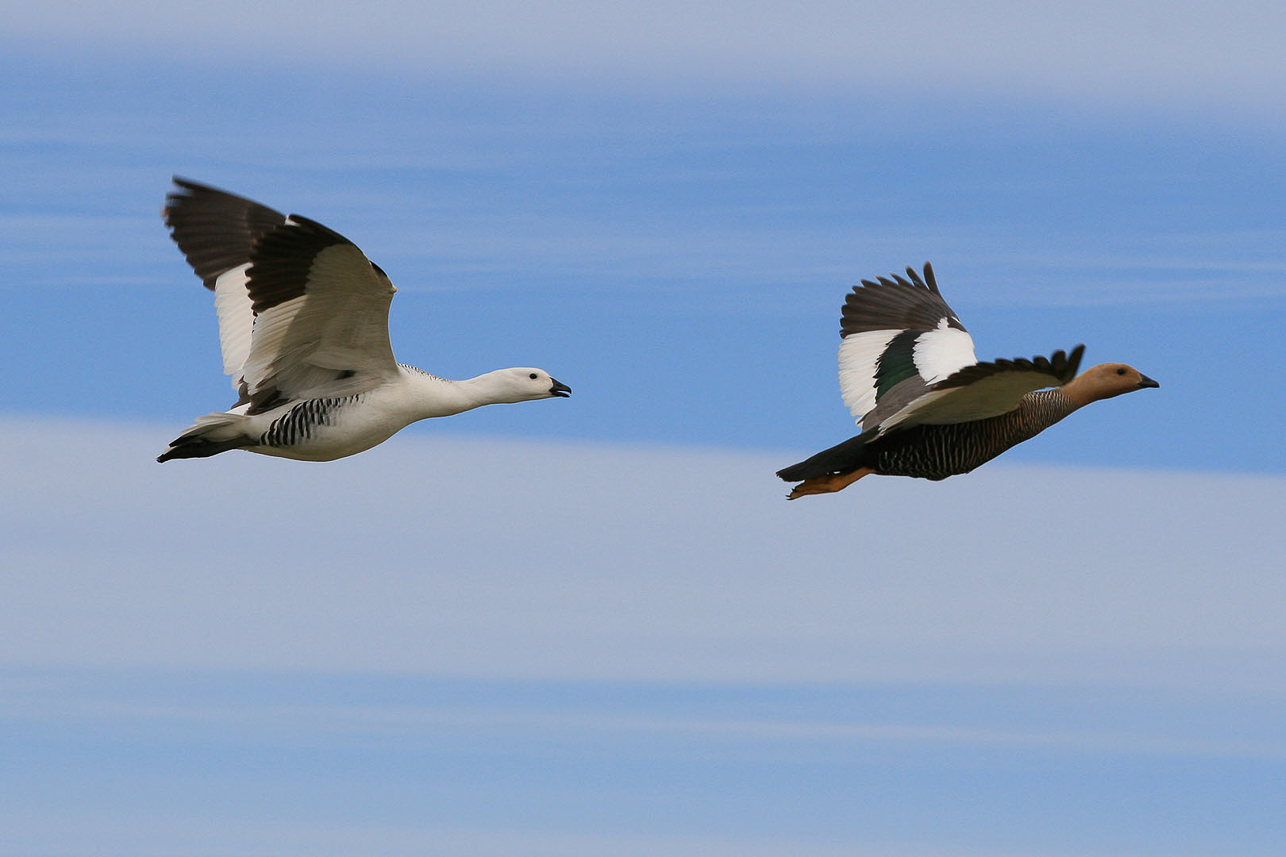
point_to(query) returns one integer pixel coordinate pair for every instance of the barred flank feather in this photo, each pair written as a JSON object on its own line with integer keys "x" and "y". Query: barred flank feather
{"x": 938, "y": 451}
{"x": 300, "y": 422}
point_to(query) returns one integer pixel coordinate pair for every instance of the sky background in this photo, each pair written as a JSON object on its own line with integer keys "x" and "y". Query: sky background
{"x": 593, "y": 625}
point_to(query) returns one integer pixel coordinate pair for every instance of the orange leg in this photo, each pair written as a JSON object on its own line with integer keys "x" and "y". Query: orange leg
{"x": 827, "y": 484}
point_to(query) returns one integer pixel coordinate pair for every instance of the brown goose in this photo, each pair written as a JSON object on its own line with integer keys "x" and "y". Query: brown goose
{"x": 927, "y": 407}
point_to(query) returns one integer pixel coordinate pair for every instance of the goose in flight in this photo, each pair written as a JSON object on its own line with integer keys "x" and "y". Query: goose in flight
{"x": 926, "y": 406}
{"x": 303, "y": 327}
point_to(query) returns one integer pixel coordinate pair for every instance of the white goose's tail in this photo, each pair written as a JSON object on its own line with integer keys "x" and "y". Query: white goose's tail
{"x": 211, "y": 435}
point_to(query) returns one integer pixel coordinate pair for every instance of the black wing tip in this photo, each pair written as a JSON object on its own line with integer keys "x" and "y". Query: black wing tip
{"x": 193, "y": 186}
{"x": 215, "y": 230}
{"x": 176, "y": 197}
{"x": 186, "y": 191}
{"x": 1074, "y": 358}
{"x": 913, "y": 278}
{"x": 1060, "y": 365}
{"x": 930, "y": 279}
{"x": 897, "y": 302}
{"x": 319, "y": 228}
{"x": 1063, "y": 365}
{"x": 185, "y": 188}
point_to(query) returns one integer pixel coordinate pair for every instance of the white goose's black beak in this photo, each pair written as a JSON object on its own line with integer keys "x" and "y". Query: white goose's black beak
{"x": 560, "y": 390}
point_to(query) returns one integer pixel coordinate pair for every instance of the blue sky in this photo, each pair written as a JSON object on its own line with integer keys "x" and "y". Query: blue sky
{"x": 593, "y": 625}
{"x": 672, "y": 238}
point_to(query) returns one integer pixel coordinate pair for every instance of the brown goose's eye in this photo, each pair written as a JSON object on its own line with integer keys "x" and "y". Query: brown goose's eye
{"x": 1118, "y": 371}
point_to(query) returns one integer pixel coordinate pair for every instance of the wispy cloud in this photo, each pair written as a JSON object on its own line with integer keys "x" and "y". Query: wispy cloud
{"x": 166, "y": 837}
{"x": 1140, "y": 52}
{"x": 572, "y": 712}
{"x": 521, "y": 559}
{"x": 494, "y": 647}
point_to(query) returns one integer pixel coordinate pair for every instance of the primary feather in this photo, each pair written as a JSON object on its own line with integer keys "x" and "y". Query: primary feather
{"x": 899, "y": 336}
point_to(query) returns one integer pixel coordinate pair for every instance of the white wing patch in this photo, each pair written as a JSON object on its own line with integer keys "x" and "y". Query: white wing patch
{"x": 858, "y": 354}
{"x": 941, "y": 352}
{"x": 340, "y": 322}
{"x": 236, "y": 320}
{"x": 938, "y": 353}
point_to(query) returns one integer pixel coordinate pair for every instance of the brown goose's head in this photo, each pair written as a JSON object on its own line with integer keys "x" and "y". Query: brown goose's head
{"x": 1105, "y": 381}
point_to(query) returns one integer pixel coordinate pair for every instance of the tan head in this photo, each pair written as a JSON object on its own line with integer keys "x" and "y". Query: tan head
{"x": 1105, "y": 381}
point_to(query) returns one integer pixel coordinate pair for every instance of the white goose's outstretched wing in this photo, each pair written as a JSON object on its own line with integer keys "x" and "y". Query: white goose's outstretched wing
{"x": 302, "y": 312}
{"x": 217, "y": 231}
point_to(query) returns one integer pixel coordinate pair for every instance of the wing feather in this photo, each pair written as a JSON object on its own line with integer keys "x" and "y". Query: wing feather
{"x": 236, "y": 320}
{"x": 898, "y": 335}
{"x": 301, "y": 309}
{"x": 216, "y": 231}
{"x": 985, "y": 390}
{"x": 321, "y": 316}
{"x": 859, "y": 354}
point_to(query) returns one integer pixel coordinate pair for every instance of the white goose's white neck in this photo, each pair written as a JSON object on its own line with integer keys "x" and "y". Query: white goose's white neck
{"x": 431, "y": 396}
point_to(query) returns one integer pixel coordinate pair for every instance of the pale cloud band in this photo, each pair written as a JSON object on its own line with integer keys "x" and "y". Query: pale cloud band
{"x": 486, "y": 647}
{"x": 511, "y": 559}
{"x": 1140, "y": 53}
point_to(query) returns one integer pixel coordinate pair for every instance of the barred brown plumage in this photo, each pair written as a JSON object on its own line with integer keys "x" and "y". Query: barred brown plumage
{"x": 927, "y": 407}
{"x": 938, "y": 451}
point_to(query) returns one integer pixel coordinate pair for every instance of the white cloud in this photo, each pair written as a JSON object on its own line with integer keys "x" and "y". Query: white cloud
{"x": 1132, "y": 53}
{"x": 441, "y": 555}
{"x": 164, "y": 837}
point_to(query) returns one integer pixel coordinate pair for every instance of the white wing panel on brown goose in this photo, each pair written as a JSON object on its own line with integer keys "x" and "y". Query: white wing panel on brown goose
{"x": 899, "y": 336}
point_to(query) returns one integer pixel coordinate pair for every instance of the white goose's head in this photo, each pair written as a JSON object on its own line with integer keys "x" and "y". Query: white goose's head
{"x": 525, "y": 384}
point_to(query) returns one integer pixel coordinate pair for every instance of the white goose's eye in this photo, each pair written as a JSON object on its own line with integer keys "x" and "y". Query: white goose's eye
{"x": 532, "y": 376}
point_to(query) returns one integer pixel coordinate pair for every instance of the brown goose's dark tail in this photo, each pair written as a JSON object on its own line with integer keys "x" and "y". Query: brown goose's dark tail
{"x": 841, "y": 458}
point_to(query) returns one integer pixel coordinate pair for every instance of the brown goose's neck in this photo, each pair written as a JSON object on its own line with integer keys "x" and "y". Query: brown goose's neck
{"x": 1079, "y": 390}
{"x": 1050, "y": 404}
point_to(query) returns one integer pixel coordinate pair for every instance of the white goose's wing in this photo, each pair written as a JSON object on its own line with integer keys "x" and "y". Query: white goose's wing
{"x": 899, "y": 337}
{"x": 318, "y": 307}
{"x": 985, "y": 390}
{"x": 217, "y": 232}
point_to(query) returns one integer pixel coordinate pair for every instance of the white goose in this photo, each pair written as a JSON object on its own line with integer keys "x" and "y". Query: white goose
{"x": 303, "y": 327}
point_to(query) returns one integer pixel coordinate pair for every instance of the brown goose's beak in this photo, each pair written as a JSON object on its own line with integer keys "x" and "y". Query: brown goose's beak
{"x": 560, "y": 390}
{"x": 1147, "y": 382}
